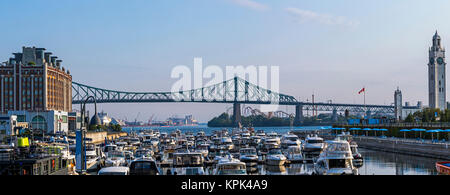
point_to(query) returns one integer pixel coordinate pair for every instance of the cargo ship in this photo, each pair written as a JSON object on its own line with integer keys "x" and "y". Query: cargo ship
{"x": 443, "y": 167}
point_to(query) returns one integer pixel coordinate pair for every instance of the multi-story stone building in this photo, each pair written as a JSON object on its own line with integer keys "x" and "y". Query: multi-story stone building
{"x": 436, "y": 75}
{"x": 34, "y": 81}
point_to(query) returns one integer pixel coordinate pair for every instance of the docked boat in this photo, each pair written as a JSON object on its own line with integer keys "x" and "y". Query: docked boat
{"x": 443, "y": 167}
{"x": 92, "y": 158}
{"x": 230, "y": 166}
{"x": 294, "y": 154}
{"x": 249, "y": 156}
{"x": 290, "y": 140}
{"x": 144, "y": 166}
{"x": 115, "y": 158}
{"x": 273, "y": 135}
{"x": 275, "y": 158}
{"x": 357, "y": 157}
{"x": 114, "y": 171}
{"x": 312, "y": 147}
{"x": 203, "y": 148}
{"x": 188, "y": 163}
{"x": 336, "y": 159}
{"x": 226, "y": 143}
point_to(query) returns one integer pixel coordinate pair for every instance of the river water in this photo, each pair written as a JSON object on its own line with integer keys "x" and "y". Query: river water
{"x": 375, "y": 162}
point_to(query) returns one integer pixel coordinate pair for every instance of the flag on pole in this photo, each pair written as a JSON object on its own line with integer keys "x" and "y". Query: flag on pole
{"x": 362, "y": 90}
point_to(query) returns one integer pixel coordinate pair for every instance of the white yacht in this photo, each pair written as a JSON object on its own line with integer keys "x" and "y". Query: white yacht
{"x": 115, "y": 158}
{"x": 294, "y": 154}
{"x": 290, "y": 140}
{"x": 357, "y": 157}
{"x": 188, "y": 163}
{"x": 144, "y": 166}
{"x": 230, "y": 166}
{"x": 275, "y": 158}
{"x": 273, "y": 135}
{"x": 114, "y": 171}
{"x": 92, "y": 158}
{"x": 271, "y": 143}
{"x": 203, "y": 148}
{"x": 249, "y": 156}
{"x": 336, "y": 159}
{"x": 312, "y": 147}
{"x": 226, "y": 143}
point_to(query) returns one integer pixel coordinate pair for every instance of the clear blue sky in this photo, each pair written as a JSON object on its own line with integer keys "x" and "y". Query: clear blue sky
{"x": 330, "y": 47}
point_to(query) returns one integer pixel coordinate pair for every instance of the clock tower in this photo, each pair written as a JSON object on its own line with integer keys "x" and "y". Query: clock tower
{"x": 436, "y": 75}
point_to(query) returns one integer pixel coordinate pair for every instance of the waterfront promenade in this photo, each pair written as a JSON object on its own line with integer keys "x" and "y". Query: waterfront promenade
{"x": 416, "y": 147}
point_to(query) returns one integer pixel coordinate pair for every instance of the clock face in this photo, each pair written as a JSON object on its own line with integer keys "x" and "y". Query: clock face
{"x": 440, "y": 60}
{"x": 431, "y": 60}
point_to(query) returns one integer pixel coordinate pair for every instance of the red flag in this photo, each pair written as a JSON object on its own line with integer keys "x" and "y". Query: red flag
{"x": 362, "y": 90}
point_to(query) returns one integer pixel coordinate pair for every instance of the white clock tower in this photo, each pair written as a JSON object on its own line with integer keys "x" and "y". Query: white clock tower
{"x": 436, "y": 75}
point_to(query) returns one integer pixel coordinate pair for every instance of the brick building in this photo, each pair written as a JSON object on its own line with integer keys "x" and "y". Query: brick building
{"x": 34, "y": 81}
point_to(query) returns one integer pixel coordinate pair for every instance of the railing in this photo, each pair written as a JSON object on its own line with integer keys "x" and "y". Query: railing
{"x": 443, "y": 125}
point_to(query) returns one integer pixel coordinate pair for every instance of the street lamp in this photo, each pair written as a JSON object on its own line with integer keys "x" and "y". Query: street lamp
{"x": 84, "y": 130}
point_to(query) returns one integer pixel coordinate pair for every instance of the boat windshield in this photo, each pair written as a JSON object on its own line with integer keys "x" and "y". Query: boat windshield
{"x": 278, "y": 151}
{"x": 338, "y": 163}
{"x": 295, "y": 150}
{"x": 248, "y": 152}
{"x": 188, "y": 159}
{"x": 112, "y": 173}
{"x": 116, "y": 154}
{"x": 232, "y": 169}
{"x": 314, "y": 141}
{"x": 338, "y": 147}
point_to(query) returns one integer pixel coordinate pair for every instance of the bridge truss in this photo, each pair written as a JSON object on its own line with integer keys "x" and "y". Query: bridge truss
{"x": 236, "y": 91}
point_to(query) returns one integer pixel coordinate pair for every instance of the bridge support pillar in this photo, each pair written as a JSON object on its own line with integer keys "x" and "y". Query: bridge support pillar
{"x": 334, "y": 115}
{"x": 236, "y": 114}
{"x": 298, "y": 114}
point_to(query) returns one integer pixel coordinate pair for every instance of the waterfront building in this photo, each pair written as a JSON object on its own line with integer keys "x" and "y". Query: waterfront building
{"x": 74, "y": 121}
{"x": 436, "y": 75}
{"x": 398, "y": 107}
{"x": 35, "y": 87}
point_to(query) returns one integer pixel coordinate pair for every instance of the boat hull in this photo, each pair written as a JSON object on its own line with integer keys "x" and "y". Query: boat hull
{"x": 443, "y": 167}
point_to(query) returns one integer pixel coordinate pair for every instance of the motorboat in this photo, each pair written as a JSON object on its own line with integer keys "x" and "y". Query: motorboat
{"x": 443, "y": 167}
{"x": 144, "y": 166}
{"x": 357, "y": 157}
{"x": 203, "y": 148}
{"x": 275, "y": 157}
{"x": 270, "y": 143}
{"x": 143, "y": 152}
{"x": 230, "y": 166}
{"x": 167, "y": 157}
{"x": 114, "y": 171}
{"x": 92, "y": 158}
{"x": 226, "y": 143}
{"x": 115, "y": 158}
{"x": 312, "y": 147}
{"x": 255, "y": 140}
{"x": 336, "y": 159}
{"x": 121, "y": 145}
{"x": 273, "y": 135}
{"x": 290, "y": 140}
{"x": 294, "y": 154}
{"x": 188, "y": 163}
{"x": 248, "y": 156}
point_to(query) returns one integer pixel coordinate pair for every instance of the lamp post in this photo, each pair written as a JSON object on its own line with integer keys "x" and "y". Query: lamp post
{"x": 84, "y": 130}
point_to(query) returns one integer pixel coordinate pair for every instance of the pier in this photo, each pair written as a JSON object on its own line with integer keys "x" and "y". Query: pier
{"x": 405, "y": 146}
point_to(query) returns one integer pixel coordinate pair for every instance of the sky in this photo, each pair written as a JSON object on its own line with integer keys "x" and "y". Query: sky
{"x": 326, "y": 47}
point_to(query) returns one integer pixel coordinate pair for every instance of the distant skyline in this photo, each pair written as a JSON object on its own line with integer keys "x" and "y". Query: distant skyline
{"x": 329, "y": 48}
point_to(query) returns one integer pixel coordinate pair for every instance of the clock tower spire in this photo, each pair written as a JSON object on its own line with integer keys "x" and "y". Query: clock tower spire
{"x": 436, "y": 75}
